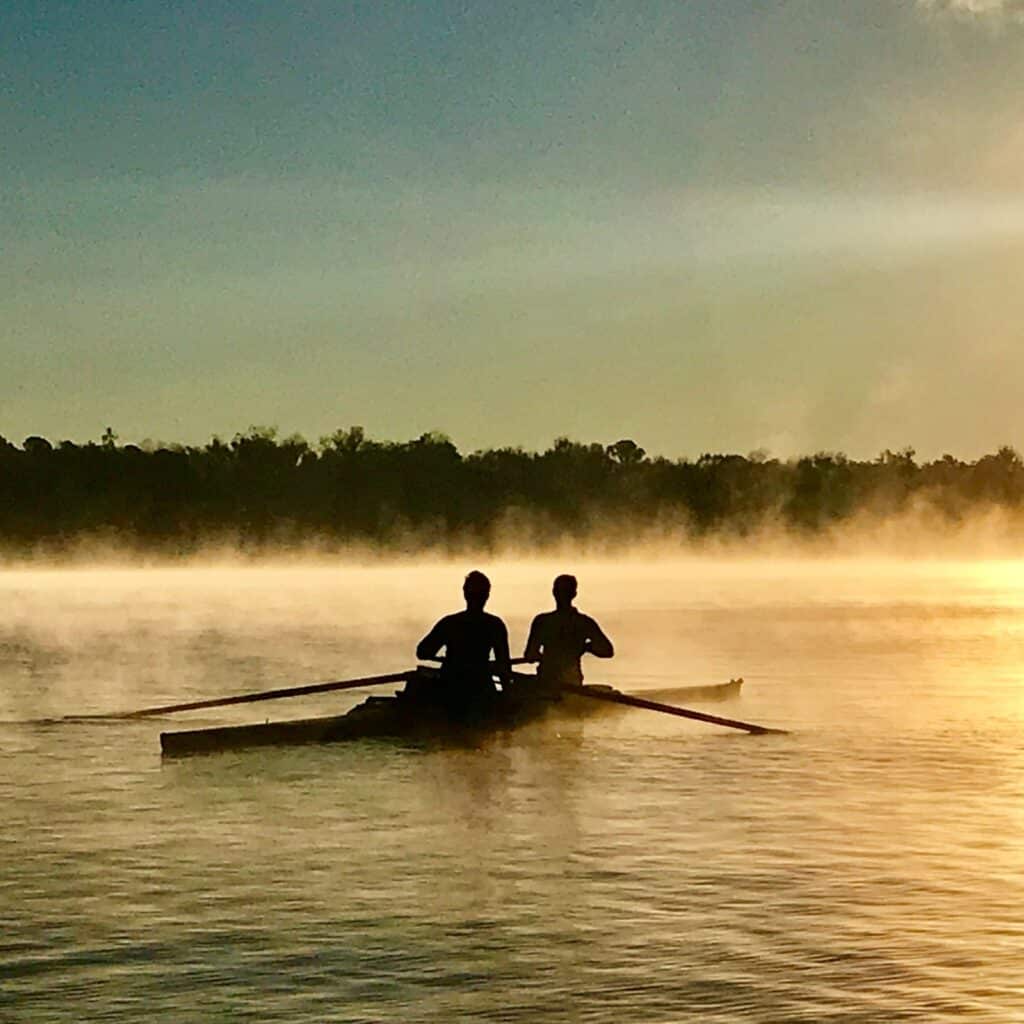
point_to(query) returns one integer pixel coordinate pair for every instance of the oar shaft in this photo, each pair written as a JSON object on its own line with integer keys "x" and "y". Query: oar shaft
{"x": 614, "y": 697}
{"x": 249, "y": 698}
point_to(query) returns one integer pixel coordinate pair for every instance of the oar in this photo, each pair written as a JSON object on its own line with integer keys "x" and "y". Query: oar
{"x": 248, "y": 698}
{"x": 614, "y": 697}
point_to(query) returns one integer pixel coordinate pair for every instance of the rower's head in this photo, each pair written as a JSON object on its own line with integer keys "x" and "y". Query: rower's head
{"x": 564, "y": 590}
{"x": 476, "y": 589}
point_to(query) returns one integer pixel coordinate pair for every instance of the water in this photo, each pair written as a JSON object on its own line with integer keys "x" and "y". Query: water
{"x": 633, "y": 867}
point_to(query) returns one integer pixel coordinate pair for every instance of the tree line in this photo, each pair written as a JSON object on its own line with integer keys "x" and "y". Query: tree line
{"x": 259, "y": 490}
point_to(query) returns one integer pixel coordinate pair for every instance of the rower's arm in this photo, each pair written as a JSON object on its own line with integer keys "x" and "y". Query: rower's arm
{"x": 502, "y": 657}
{"x": 533, "y": 644}
{"x": 596, "y": 642}
{"x": 432, "y": 643}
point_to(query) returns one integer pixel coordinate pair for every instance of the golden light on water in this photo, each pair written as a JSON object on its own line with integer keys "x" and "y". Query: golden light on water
{"x": 854, "y": 863}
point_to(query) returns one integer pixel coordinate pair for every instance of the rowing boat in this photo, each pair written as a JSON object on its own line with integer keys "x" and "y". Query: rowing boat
{"x": 414, "y": 714}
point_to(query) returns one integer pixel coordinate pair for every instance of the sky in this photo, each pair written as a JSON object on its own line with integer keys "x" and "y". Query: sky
{"x": 707, "y": 225}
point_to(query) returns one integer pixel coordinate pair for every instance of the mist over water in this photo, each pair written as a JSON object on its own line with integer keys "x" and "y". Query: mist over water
{"x": 630, "y": 867}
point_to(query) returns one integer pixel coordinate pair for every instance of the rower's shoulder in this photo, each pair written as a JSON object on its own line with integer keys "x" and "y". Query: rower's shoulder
{"x": 589, "y": 624}
{"x": 447, "y": 621}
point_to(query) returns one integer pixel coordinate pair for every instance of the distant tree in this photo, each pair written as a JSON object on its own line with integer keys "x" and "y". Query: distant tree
{"x": 347, "y": 442}
{"x": 821, "y": 491}
{"x": 626, "y": 453}
{"x": 998, "y": 478}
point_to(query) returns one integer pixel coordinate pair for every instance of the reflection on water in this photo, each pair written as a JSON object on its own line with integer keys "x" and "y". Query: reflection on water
{"x": 631, "y": 867}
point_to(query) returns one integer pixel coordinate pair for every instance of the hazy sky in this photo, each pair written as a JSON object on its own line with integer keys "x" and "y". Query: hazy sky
{"x": 708, "y": 225}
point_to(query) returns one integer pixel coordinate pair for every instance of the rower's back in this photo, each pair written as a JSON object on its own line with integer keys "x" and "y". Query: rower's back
{"x": 559, "y": 639}
{"x": 470, "y": 638}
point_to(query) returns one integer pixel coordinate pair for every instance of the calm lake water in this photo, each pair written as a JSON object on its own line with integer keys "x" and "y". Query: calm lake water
{"x": 632, "y": 867}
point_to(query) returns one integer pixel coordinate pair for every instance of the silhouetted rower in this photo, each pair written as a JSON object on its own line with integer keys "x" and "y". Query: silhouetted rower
{"x": 469, "y": 638}
{"x": 560, "y": 638}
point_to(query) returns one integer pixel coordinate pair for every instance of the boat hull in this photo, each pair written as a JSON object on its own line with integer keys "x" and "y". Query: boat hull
{"x": 376, "y": 718}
